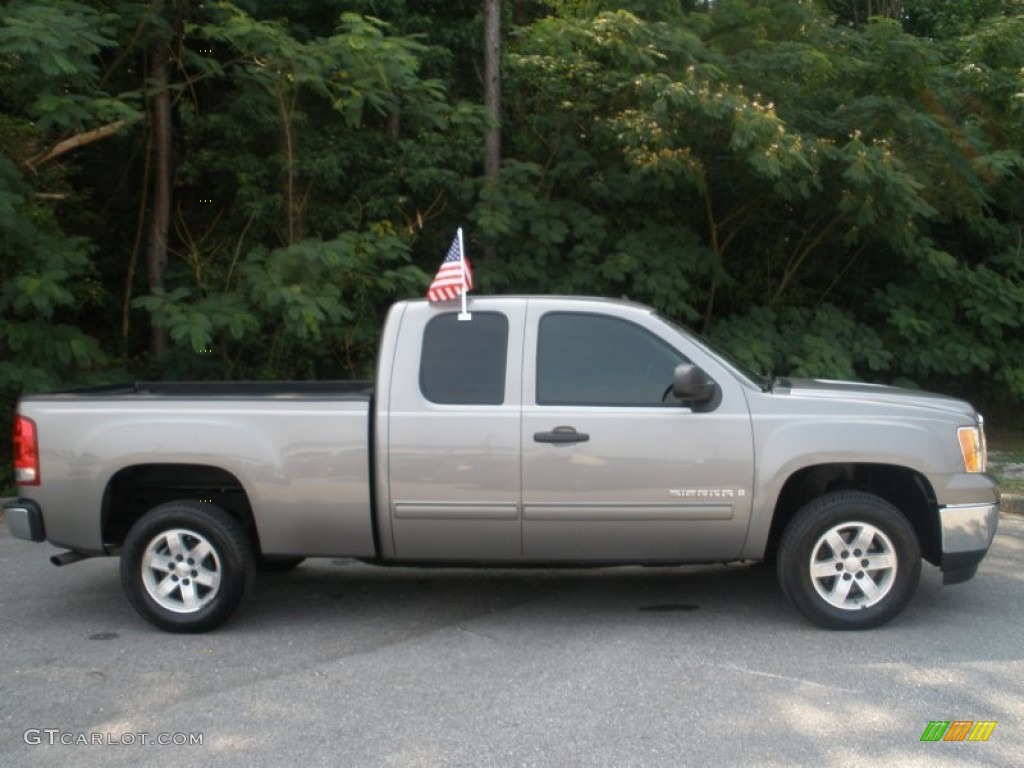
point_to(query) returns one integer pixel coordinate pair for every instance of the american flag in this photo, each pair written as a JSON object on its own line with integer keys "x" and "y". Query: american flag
{"x": 454, "y": 276}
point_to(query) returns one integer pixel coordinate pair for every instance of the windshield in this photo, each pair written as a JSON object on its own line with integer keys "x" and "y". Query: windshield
{"x": 761, "y": 381}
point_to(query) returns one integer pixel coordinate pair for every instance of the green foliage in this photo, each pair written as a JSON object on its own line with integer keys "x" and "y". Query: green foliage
{"x": 51, "y": 52}
{"x": 44, "y": 282}
{"x": 948, "y": 19}
{"x": 825, "y": 342}
{"x": 318, "y": 158}
{"x": 360, "y": 68}
{"x": 761, "y": 161}
{"x": 309, "y": 310}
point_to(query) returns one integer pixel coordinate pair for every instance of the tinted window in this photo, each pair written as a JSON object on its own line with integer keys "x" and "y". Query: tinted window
{"x": 463, "y": 362}
{"x": 587, "y": 359}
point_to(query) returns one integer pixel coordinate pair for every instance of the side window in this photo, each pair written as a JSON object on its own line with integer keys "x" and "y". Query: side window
{"x": 463, "y": 362}
{"x": 585, "y": 359}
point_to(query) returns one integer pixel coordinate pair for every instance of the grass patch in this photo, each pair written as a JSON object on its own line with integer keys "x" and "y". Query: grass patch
{"x": 1006, "y": 461}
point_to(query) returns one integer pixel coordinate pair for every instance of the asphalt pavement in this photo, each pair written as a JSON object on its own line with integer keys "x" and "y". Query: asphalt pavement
{"x": 344, "y": 664}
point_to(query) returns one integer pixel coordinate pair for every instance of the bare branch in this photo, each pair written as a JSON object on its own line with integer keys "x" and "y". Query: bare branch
{"x": 74, "y": 142}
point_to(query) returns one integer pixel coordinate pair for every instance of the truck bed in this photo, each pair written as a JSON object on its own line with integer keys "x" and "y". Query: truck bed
{"x": 295, "y": 454}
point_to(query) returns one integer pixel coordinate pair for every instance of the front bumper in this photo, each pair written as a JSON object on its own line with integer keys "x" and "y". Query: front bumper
{"x": 967, "y": 533}
{"x": 24, "y": 520}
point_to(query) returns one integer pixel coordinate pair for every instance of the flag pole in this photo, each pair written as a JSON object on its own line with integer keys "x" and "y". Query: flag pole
{"x": 464, "y": 314}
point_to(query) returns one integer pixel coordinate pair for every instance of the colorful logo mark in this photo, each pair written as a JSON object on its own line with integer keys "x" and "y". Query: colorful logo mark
{"x": 958, "y": 730}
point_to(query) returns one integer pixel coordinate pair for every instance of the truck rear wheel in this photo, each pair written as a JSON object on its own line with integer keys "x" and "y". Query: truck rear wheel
{"x": 186, "y": 566}
{"x": 849, "y": 560}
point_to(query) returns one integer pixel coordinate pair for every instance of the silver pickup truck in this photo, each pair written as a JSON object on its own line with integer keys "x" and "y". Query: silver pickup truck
{"x": 536, "y": 431}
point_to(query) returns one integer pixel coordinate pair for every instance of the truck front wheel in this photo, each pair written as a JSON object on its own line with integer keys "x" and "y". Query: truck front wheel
{"x": 186, "y": 566}
{"x": 849, "y": 560}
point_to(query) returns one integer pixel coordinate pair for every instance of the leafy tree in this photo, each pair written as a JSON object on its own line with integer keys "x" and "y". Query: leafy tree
{"x": 757, "y": 164}
{"x": 316, "y": 232}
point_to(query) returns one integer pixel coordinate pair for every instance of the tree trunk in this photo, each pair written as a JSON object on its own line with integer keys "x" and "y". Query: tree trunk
{"x": 492, "y": 97}
{"x": 159, "y": 223}
{"x": 492, "y": 86}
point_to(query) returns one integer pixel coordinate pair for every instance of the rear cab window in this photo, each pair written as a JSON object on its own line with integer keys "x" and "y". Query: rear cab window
{"x": 464, "y": 362}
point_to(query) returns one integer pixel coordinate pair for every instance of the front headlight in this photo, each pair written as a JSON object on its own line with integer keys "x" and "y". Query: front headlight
{"x": 972, "y": 446}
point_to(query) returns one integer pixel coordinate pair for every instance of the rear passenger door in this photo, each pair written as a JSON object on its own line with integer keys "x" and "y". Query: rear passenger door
{"x": 453, "y": 435}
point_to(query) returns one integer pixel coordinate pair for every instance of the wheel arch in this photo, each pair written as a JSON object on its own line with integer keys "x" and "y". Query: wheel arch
{"x": 134, "y": 490}
{"x": 907, "y": 490}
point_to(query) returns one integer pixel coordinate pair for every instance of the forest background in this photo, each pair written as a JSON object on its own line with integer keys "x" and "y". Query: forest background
{"x": 214, "y": 190}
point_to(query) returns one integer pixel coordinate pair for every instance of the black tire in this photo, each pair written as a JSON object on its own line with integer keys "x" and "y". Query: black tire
{"x": 859, "y": 586}
{"x": 277, "y": 564}
{"x": 186, "y": 566}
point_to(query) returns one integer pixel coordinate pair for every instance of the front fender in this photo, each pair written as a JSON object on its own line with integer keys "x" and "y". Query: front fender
{"x": 783, "y": 447}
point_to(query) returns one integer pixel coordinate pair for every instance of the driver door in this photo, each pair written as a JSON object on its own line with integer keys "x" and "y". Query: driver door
{"x": 611, "y": 471}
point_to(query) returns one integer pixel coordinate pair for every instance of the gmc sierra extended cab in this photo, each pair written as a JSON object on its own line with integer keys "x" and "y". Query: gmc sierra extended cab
{"x": 537, "y": 431}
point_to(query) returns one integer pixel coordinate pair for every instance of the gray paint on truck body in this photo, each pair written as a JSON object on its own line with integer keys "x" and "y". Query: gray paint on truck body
{"x": 470, "y": 483}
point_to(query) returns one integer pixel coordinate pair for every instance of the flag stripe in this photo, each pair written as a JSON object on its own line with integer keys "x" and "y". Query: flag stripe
{"x": 453, "y": 277}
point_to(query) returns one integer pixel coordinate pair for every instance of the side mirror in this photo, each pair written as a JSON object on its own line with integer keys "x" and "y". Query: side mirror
{"x": 691, "y": 383}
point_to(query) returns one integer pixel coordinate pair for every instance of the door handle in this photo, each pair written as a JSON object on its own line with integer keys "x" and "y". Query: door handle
{"x": 561, "y": 436}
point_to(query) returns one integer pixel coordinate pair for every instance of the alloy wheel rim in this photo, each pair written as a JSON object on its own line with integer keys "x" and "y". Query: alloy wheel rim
{"x": 181, "y": 570}
{"x": 853, "y": 566}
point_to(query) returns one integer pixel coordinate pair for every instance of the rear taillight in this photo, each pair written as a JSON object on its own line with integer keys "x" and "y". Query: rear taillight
{"x": 26, "y": 452}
